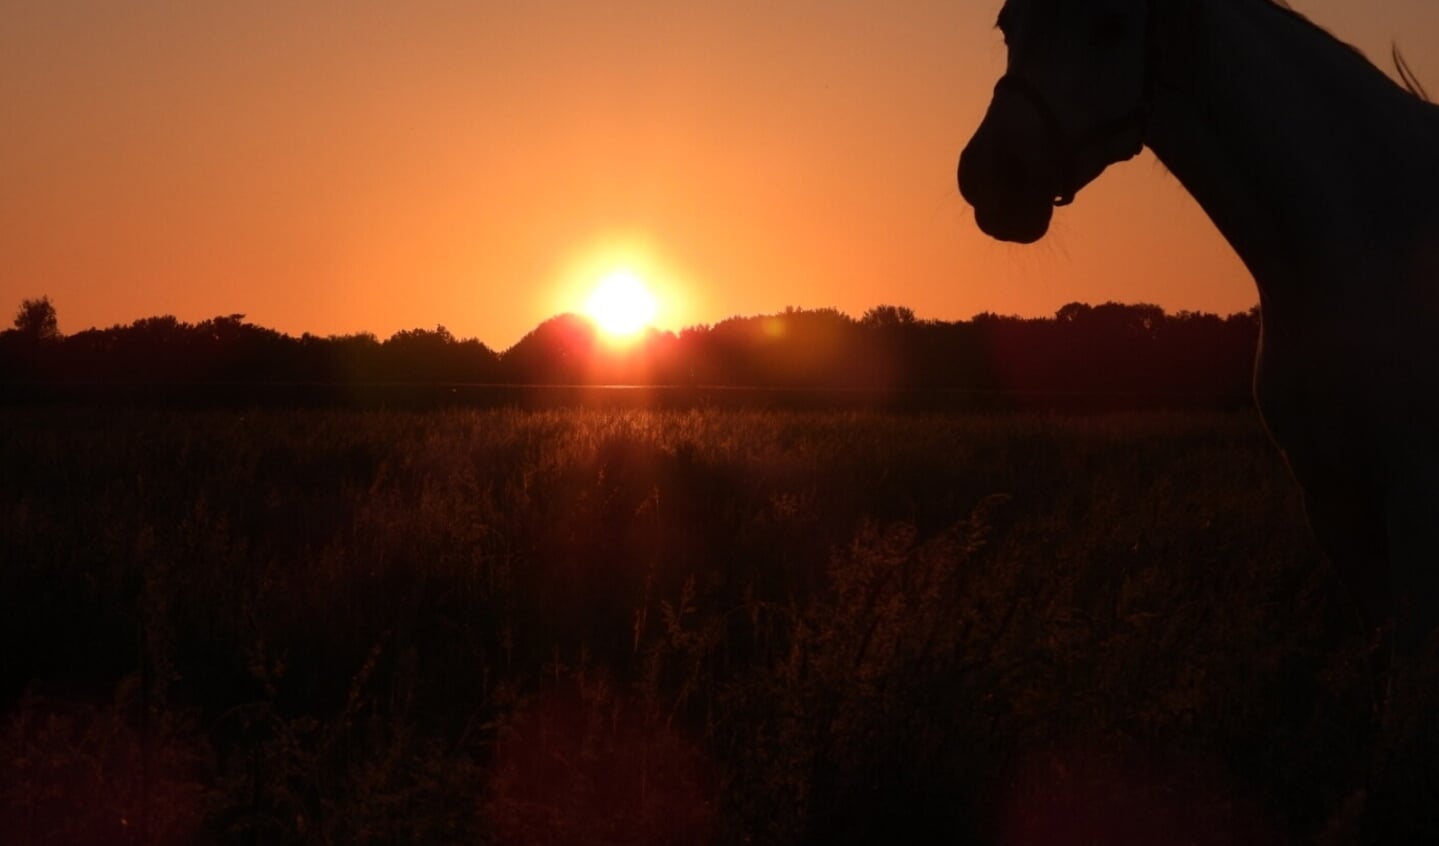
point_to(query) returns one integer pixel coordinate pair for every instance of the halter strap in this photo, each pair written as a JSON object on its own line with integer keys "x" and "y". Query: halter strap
{"x": 1070, "y": 146}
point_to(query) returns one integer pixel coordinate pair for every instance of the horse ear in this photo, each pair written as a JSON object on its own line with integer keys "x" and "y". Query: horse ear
{"x": 1406, "y": 75}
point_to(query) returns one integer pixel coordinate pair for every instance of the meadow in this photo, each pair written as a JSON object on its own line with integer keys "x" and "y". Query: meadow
{"x": 622, "y": 626}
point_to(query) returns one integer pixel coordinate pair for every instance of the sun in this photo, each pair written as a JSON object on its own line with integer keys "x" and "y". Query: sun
{"x": 621, "y": 305}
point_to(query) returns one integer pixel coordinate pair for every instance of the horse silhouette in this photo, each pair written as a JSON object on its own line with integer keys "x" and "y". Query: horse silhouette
{"x": 1323, "y": 174}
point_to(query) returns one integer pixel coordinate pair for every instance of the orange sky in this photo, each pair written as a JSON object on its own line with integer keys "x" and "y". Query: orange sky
{"x": 342, "y": 167}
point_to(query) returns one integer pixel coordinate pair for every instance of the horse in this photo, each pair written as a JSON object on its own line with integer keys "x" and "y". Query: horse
{"x": 1323, "y": 175}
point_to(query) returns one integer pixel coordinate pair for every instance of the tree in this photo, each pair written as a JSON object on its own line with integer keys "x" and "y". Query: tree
{"x": 37, "y": 321}
{"x": 887, "y": 315}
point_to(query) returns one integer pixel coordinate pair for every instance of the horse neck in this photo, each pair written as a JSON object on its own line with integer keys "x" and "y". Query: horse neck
{"x": 1310, "y": 161}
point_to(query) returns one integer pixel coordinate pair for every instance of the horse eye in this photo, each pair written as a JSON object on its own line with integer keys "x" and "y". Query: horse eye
{"x": 1108, "y": 30}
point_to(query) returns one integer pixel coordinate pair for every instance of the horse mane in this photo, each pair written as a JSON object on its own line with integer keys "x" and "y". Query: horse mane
{"x": 1407, "y": 79}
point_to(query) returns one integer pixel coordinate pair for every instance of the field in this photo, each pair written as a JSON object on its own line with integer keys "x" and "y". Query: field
{"x": 665, "y": 627}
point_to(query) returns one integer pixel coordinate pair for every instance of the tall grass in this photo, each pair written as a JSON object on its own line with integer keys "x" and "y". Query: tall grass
{"x": 625, "y": 627}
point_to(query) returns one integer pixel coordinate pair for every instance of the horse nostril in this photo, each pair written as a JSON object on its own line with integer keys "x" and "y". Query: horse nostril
{"x": 1011, "y": 168}
{"x": 988, "y": 173}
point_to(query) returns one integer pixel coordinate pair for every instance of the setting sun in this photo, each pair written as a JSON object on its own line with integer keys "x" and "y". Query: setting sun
{"x": 621, "y": 304}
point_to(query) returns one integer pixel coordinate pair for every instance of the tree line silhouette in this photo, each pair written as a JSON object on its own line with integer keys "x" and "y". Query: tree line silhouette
{"x": 1108, "y": 350}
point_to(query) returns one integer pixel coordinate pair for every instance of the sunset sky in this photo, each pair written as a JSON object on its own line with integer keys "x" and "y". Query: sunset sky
{"x": 342, "y": 167}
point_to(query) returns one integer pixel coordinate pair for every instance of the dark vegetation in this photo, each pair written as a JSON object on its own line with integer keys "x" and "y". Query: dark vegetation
{"x": 1111, "y": 353}
{"x": 681, "y": 627}
{"x": 252, "y": 622}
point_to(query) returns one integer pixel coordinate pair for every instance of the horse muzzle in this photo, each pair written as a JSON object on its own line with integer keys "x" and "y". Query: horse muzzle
{"x": 1008, "y": 180}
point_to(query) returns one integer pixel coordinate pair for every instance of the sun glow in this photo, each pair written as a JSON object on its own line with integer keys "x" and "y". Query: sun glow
{"x": 626, "y": 287}
{"x": 621, "y": 305}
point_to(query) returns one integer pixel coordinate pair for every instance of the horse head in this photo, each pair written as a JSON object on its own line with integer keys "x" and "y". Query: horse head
{"x": 1073, "y": 100}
